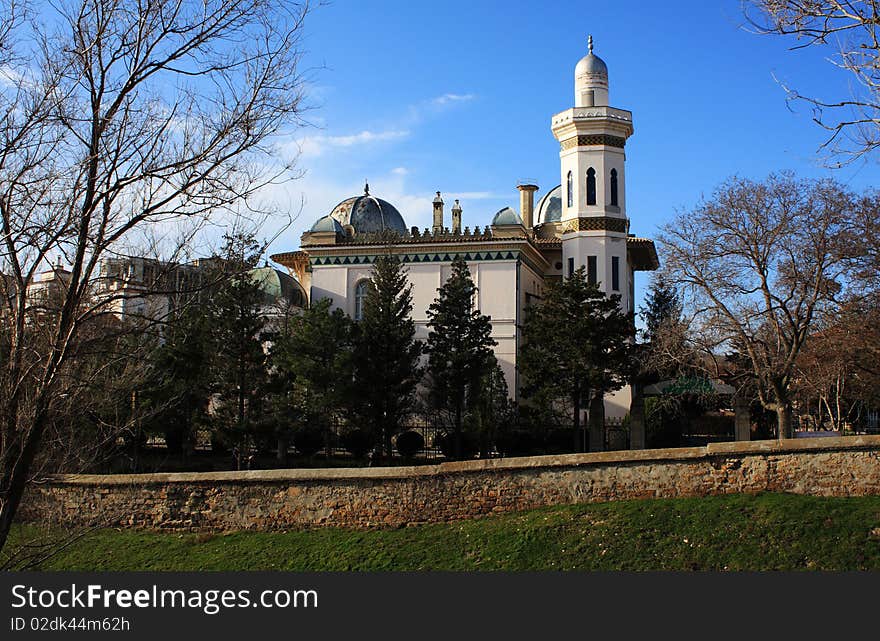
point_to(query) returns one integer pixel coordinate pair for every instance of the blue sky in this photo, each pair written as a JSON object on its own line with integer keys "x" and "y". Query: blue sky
{"x": 457, "y": 97}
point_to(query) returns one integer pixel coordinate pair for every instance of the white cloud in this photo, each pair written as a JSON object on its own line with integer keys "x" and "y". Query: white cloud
{"x": 317, "y": 145}
{"x": 400, "y": 171}
{"x": 451, "y": 98}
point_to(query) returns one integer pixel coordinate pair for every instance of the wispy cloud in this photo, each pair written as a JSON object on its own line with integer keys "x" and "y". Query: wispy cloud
{"x": 317, "y": 145}
{"x": 452, "y": 98}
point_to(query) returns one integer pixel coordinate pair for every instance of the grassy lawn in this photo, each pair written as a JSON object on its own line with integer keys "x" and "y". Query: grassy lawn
{"x": 740, "y": 532}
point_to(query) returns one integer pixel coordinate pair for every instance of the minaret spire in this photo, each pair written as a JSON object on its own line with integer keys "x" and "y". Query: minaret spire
{"x": 590, "y": 42}
{"x": 366, "y": 188}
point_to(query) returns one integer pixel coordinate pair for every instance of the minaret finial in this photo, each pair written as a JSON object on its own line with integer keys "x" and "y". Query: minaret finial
{"x": 366, "y": 187}
{"x": 590, "y": 42}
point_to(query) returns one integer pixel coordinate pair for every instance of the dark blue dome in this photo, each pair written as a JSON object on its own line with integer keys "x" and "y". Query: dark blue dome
{"x": 368, "y": 214}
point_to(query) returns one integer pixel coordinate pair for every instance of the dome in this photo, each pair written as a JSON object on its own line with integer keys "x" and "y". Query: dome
{"x": 507, "y": 217}
{"x": 549, "y": 208}
{"x": 368, "y": 214}
{"x": 326, "y": 223}
{"x": 591, "y": 64}
{"x": 278, "y": 286}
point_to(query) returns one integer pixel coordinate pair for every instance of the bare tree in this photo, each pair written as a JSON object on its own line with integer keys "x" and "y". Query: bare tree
{"x": 852, "y": 28}
{"x": 119, "y": 117}
{"x": 757, "y": 266}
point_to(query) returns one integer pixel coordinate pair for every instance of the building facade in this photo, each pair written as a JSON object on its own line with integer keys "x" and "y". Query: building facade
{"x": 580, "y": 223}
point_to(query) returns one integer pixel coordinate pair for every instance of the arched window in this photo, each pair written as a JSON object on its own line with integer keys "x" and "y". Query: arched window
{"x": 614, "y": 187}
{"x": 591, "y": 186}
{"x": 360, "y": 298}
{"x": 570, "y": 191}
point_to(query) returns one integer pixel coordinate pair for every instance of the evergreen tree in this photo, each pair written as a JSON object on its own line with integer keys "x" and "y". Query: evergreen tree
{"x": 179, "y": 386}
{"x": 578, "y": 347}
{"x": 311, "y": 365}
{"x": 239, "y": 363}
{"x": 386, "y": 354}
{"x": 459, "y": 346}
{"x": 663, "y": 307}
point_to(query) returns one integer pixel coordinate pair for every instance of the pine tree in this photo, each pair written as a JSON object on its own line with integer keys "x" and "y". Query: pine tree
{"x": 239, "y": 362}
{"x": 662, "y": 307}
{"x": 386, "y": 354}
{"x": 459, "y": 346}
{"x": 578, "y": 347}
{"x": 311, "y": 365}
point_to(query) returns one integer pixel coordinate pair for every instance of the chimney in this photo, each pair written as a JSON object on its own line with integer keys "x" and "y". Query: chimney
{"x": 438, "y": 214}
{"x": 527, "y": 203}
{"x": 456, "y": 218}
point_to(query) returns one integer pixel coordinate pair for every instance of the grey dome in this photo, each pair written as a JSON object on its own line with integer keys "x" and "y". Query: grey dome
{"x": 549, "y": 208}
{"x": 368, "y": 214}
{"x": 591, "y": 64}
{"x": 326, "y": 223}
{"x": 507, "y": 217}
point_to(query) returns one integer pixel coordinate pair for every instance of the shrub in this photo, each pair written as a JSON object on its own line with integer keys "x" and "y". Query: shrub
{"x": 518, "y": 443}
{"x": 559, "y": 441}
{"x": 308, "y": 439}
{"x": 409, "y": 443}
{"x": 445, "y": 442}
{"x": 356, "y": 441}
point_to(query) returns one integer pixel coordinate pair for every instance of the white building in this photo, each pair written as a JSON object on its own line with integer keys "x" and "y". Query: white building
{"x": 581, "y": 222}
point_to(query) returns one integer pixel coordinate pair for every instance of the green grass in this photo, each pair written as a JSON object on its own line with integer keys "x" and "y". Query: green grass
{"x": 738, "y": 532}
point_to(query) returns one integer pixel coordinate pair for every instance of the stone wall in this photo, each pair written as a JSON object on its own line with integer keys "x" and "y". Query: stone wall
{"x": 394, "y": 497}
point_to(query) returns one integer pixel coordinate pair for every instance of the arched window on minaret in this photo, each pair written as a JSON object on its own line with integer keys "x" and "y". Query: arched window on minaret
{"x": 570, "y": 190}
{"x": 614, "y": 187}
{"x": 591, "y": 186}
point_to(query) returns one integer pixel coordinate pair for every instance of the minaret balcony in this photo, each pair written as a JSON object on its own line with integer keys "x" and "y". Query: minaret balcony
{"x": 591, "y": 119}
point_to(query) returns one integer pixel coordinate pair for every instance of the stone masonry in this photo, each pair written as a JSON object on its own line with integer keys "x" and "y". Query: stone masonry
{"x": 400, "y": 496}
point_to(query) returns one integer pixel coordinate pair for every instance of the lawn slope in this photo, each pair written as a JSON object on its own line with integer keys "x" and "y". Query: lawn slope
{"x": 738, "y": 532}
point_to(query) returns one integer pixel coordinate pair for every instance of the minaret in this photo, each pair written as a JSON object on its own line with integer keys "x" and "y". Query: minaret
{"x": 592, "y": 136}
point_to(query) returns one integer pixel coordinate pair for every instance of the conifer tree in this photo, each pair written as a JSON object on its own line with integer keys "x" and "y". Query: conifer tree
{"x": 459, "y": 346}
{"x": 578, "y": 347}
{"x": 662, "y": 307}
{"x": 386, "y": 353}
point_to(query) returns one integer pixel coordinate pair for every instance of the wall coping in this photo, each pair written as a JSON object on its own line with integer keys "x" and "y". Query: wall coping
{"x": 623, "y": 457}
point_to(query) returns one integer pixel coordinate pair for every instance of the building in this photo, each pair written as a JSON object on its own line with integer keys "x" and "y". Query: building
{"x": 582, "y": 222}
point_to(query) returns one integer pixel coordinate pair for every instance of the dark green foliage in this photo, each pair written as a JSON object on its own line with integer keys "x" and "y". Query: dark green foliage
{"x": 309, "y": 439}
{"x": 520, "y": 442}
{"x": 385, "y": 355}
{"x": 466, "y": 448}
{"x": 311, "y": 368}
{"x": 577, "y": 347}
{"x": 409, "y": 443}
{"x": 662, "y": 308}
{"x": 356, "y": 441}
{"x": 459, "y": 348}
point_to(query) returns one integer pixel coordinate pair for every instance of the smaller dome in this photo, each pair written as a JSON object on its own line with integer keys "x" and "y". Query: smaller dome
{"x": 327, "y": 223}
{"x": 507, "y": 217}
{"x": 591, "y": 64}
{"x": 278, "y": 286}
{"x": 549, "y": 209}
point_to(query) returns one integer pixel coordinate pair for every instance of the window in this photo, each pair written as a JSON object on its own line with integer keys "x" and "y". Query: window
{"x": 570, "y": 267}
{"x": 591, "y": 186}
{"x": 591, "y": 270}
{"x": 360, "y": 297}
{"x": 570, "y": 190}
{"x": 614, "y": 187}
{"x": 615, "y": 273}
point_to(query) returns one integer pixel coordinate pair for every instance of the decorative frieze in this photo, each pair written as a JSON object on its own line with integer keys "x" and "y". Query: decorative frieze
{"x": 595, "y": 223}
{"x": 593, "y": 140}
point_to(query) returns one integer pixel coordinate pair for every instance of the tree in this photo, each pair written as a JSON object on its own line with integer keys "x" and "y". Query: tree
{"x": 852, "y": 121}
{"x": 118, "y": 119}
{"x": 386, "y": 354}
{"x": 662, "y": 307}
{"x": 238, "y": 362}
{"x": 459, "y": 346}
{"x": 664, "y": 333}
{"x": 578, "y": 346}
{"x": 757, "y": 265}
{"x": 311, "y": 369}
